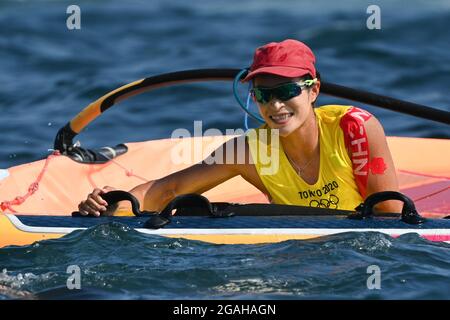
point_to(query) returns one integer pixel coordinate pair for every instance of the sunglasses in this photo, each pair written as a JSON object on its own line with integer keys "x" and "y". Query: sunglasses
{"x": 282, "y": 92}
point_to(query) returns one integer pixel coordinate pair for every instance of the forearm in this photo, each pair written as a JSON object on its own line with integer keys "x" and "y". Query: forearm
{"x": 140, "y": 192}
{"x": 386, "y": 182}
{"x": 155, "y": 195}
{"x": 152, "y": 196}
{"x": 391, "y": 206}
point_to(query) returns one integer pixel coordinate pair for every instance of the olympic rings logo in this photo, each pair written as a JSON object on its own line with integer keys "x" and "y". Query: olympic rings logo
{"x": 330, "y": 203}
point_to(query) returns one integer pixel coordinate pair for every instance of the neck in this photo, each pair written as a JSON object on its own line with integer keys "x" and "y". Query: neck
{"x": 303, "y": 144}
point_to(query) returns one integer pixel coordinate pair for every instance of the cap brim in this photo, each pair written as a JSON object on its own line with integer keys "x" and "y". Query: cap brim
{"x": 288, "y": 72}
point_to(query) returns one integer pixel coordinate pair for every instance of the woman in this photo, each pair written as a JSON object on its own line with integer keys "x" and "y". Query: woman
{"x": 332, "y": 156}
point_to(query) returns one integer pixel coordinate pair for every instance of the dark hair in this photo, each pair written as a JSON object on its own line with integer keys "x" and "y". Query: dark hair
{"x": 309, "y": 77}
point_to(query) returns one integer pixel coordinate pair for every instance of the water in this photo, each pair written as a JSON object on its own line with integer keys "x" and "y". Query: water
{"x": 50, "y": 73}
{"x": 119, "y": 263}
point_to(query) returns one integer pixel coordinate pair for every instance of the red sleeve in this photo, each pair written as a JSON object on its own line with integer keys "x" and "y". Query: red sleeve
{"x": 355, "y": 138}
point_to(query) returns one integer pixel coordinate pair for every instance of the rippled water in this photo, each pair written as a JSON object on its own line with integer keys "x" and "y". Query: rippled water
{"x": 48, "y": 74}
{"x": 119, "y": 263}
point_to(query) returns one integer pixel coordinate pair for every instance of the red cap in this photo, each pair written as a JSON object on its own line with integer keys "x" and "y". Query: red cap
{"x": 288, "y": 58}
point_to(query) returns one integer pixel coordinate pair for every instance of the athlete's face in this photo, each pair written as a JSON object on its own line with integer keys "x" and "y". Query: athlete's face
{"x": 286, "y": 116}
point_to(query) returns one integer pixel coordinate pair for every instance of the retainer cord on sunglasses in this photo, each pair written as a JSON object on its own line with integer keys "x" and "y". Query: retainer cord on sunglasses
{"x": 245, "y": 107}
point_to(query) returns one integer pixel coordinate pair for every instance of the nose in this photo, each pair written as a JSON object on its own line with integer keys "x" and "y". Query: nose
{"x": 276, "y": 104}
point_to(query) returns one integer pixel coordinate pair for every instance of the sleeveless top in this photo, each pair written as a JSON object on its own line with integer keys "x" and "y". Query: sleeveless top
{"x": 336, "y": 186}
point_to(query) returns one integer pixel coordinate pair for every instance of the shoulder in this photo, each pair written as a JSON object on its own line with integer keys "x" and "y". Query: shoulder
{"x": 355, "y": 114}
{"x": 331, "y": 111}
{"x": 353, "y": 121}
{"x": 340, "y": 114}
{"x": 360, "y": 126}
{"x": 362, "y": 118}
{"x": 376, "y": 136}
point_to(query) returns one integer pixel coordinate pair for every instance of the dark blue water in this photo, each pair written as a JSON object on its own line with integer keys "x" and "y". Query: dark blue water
{"x": 120, "y": 263}
{"x": 48, "y": 74}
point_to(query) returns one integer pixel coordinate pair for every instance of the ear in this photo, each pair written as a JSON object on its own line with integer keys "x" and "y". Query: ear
{"x": 314, "y": 91}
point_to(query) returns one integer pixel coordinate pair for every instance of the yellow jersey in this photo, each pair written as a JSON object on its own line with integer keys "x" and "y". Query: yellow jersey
{"x": 336, "y": 186}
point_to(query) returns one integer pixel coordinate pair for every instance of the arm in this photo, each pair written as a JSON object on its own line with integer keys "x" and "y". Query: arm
{"x": 382, "y": 174}
{"x": 219, "y": 167}
{"x": 155, "y": 195}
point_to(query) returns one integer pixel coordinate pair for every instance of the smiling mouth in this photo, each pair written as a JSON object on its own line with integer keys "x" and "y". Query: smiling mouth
{"x": 281, "y": 118}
